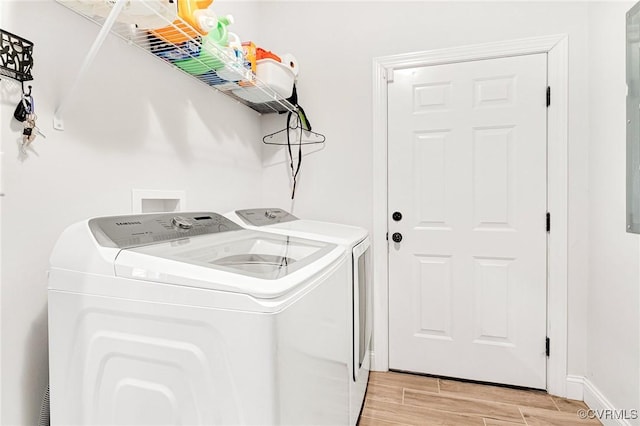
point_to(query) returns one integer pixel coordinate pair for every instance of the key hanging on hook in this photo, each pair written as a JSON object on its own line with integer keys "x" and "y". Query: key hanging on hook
{"x": 25, "y": 106}
{"x": 29, "y": 97}
{"x": 26, "y": 113}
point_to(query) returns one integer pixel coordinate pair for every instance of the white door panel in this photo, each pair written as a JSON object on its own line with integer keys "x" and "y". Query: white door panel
{"x": 467, "y": 169}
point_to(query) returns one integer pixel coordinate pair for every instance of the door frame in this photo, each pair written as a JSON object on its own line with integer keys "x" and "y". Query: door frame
{"x": 556, "y": 47}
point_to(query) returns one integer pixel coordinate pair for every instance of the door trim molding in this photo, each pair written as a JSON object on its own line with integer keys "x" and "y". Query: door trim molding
{"x": 556, "y": 47}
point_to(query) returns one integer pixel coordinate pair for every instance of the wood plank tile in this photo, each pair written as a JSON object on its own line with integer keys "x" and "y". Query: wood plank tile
{"x": 529, "y": 398}
{"x": 384, "y": 393}
{"x": 422, "y": 383}
{"x": 494, "y": 422}
{"x": 390, "y": 412}
{"x": 569, "y": 405}
{"x": 453, "y": 404}
{"x": 541, "y": 417}
{"x": 369, "y": 421}
{"x": 429, "y": 401}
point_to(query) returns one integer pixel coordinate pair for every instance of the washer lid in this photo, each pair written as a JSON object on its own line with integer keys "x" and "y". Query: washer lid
{"x": 256, "y": 263}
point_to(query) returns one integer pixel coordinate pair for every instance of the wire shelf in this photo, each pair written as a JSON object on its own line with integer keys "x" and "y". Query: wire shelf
{"x": 211, "y": 65}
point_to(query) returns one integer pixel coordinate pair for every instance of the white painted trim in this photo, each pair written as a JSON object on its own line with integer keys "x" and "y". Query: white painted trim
{"x": 379, "y": 236}
{"x": 575, "y": 387}
{"x": 557, "y": 201}
{"x": 472, "y": 52}
{"x": 582, "y": 389}
{"x": 598, "y": 402}
{"x": 557, "y": 48}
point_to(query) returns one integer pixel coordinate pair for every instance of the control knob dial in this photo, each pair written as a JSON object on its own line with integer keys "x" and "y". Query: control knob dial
{"x": 181, "y": 222}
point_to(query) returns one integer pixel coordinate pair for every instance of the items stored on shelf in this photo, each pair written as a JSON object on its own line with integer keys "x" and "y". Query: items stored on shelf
{"x": 216, "y": 57}
{"x": 277, "y": 75}
{"x": 195, "y": 18}
{"x": 215, "y": 52}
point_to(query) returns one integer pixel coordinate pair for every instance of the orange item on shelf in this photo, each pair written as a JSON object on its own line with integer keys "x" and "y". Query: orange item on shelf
{"x": 249, "y": 49}
{"x": 179, "y": 32}
{"x": 266, "y": 54}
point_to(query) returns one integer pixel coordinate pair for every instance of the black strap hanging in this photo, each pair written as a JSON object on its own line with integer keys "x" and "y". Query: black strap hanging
{"x": 294, "y": 170}
{"x": 302, "y": 125}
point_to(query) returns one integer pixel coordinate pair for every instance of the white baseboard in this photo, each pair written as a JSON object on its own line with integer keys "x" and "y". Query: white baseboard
{"x": 575, "y": 387}
{"x": 597, "y": 401}
{"x": 372, "y": 365}
{"x": 582, "y": 389}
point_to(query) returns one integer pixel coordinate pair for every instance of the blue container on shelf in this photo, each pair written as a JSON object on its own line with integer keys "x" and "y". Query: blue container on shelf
{"x": 175, "y": 52}
{"x": 212, "y": 78}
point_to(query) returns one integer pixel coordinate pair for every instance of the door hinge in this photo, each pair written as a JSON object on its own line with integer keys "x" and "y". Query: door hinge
{"x": 547, "y": 346}
{"x": 548, "y": 96}
{"x": 548, "y": 222}
{"x": 387, "y": 237}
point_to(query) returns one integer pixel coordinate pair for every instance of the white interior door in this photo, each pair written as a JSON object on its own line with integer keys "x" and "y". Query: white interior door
{"x": 467, "y": 170}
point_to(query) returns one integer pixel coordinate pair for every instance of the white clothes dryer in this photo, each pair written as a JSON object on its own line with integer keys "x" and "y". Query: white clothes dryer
{"x": 357, "y": 244}
{"x": 190, "y": 319}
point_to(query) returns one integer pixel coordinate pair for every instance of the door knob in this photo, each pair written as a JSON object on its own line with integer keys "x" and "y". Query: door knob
{"x": 396, "y": 237}
{"x": 397, "y": 216}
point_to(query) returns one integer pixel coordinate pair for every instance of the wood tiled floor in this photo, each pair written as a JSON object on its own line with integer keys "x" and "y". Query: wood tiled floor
{"x": 407, "y": 399}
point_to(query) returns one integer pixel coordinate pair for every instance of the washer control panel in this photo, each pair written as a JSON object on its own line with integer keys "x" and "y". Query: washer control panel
{"x": 263, "y": 217}
{"x": 181, "y": 222}
{"x": 137, "y": 230}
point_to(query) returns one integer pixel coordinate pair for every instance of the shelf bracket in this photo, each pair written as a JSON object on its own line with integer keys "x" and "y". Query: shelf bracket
{"x": 58, "y": 122}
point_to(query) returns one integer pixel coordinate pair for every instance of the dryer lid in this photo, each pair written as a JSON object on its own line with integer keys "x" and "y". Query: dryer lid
{"x": 323, "y": 231}
{"x": 280, "y": 221}
{"x": 264, "y": 217}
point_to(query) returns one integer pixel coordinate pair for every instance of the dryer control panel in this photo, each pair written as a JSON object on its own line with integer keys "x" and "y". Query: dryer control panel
{"x": 137, "y": 230}
{"x": 263, "y": 217}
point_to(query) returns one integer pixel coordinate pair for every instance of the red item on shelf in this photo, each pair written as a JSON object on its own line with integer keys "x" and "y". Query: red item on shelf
{"x": 266, "y": 54}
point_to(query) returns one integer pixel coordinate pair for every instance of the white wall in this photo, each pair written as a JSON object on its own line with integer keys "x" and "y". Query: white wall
{"x": 134, "y": 123}
{"x": 335, "y": 43}
{"x": 613, "y": 353}
{"x": 157, "y": 129}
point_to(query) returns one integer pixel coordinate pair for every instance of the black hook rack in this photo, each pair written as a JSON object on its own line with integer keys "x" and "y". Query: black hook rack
{"x": 24, "y": 93}
{"x": 16, "y": 57}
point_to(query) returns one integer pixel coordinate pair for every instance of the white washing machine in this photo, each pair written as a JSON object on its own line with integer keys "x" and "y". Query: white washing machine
{"x": 192, "y": 320}
{"x": 357, "y": 243}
